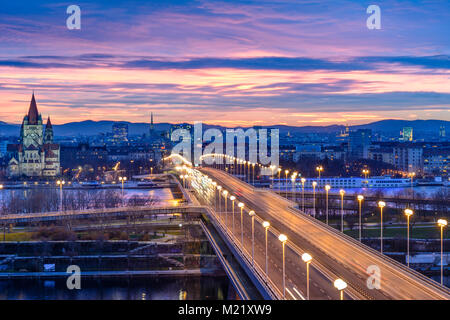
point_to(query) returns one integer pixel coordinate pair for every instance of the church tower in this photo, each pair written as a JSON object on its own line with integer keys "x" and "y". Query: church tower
{"x": 48, "y": 134}
{"x": 152, "y": 129}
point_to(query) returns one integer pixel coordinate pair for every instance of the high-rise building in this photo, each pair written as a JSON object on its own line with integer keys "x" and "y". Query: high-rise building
{"x": 152, "y": 128}
{"x": 36, "y": 155}
{"x": 408, "y": 158}
{"x": 407, "y": 134}
{"x": 442, "y": 132}
{"x": 120, "y": 132}
{"x": 359, "y": 143}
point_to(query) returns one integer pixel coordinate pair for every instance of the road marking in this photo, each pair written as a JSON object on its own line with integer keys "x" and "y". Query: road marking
{"x": 301, "y": 296}
{"x": 288, "y": 291}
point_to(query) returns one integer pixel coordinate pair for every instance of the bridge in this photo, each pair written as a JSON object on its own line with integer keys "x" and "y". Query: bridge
{"x": 252, "y": 221}
{"x": 244, "y": 225}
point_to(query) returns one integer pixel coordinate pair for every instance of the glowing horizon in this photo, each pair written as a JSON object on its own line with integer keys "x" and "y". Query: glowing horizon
{"x": 239, "y": 64}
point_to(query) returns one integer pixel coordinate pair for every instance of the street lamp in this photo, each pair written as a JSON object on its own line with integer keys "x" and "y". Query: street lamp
{"x": 303, "y": 180}
{"x": 232, "y": 198}
{"x": 286, "y": 181}
{"x": 241, "y": 205}
{"x": 60, "y": 183}
{"x": 252, "y": 214}
{"x": 253, "y": 173}
{"x": 283, "y": 239}
{"x": 408, "y": 213}
{"x": 342, "y": 192}
{"x": 442, "y": 223}
{"x": 314, "y": 184}
{"x": 319, "y": 169}
{"x": 381, "y": 204}
{"x": 306, "y": 257}
{"x": 266, "y": 226}
{"x": 123, "y": 179}
{"x": 340, "y": 285}
{"x": 327, "y": 188}
{"x": 293, "y": 177}
{"x": 220, "y": 202}
{"x": 360, "y": 199}
{"x": 279, "y": 178}
{"x": 225, "y": 196}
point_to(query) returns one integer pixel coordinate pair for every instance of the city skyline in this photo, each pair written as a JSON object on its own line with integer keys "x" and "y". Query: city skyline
{"x": 242, "y": 64}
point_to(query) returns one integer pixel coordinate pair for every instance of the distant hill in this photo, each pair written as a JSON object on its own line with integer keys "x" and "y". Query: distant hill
{"x": 88, "y": 127}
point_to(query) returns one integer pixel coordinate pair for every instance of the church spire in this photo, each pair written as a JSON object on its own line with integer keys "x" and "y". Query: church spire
{"x": 33, "y": 113}
{"x": 151, "y": 123}
{"x": 48, "y": 134}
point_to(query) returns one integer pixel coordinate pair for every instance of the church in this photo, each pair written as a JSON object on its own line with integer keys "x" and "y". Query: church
{"x": 35, "y": 155}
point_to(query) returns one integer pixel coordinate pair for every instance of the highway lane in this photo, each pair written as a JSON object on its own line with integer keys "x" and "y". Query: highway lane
{"x": 320, "y": 286}
{"x": 339, "y": 255}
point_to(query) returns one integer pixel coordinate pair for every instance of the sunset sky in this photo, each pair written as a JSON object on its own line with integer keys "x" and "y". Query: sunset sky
{"x": 230, "y": 63}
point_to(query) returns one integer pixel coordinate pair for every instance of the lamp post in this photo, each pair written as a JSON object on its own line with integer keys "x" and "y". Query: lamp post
{"x": 340, "y": 285}
{"x": 442, "y": 223}
{"x": 293, "y": 177}
{"x": 232, "y": 198}
{"x": 253, "y": 173}
{"x": 266, "y": 226}
{"x": 285, "y": 181}
{"x": 360, "y": 199}
{"x": 225, "y": 196}
{"x": 252, "y": 214}
{"x": 303, "y": 180}
{"x": 279, "y": 178}
{"x": 342, "y": 193}
{"x": 319, "y": 169}
{"x": 283, "y": 239}
{"x": 241, "y": 205}
{"x": 219, "y": 188}
{"x": 327, "y": 188}
{"x": 314, "y": 184}
{"x": 60, "y": 183}
{"x": 408, "y": 213}
{"x": 381, "y": 204}
{"x": 366, "y": 173}
{"x": 306, "y": 257}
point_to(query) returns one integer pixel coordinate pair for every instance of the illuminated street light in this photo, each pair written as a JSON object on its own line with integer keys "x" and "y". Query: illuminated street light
{"x": 252, "y": 214}
{"x": 279, "y": 178}
{"x": 360, "y": 199}
{"x": 286, "y": 181}
{"x": 225, "y": 196}
{"x": 232, "y": 198}
{"x": 408, "y": 213}
{"x": 314, "y": 184}
{"x": 60, "y": 183}
{"x": 327, "y": 188}
{"x": 340, "y": 285}
{"x": 219, "y": 188}
{"x": 306, "y": 257}
{"x": 381, "y": 204}
{"x": 266, "y": 226}
{"x": 442, "y": 223}
{"x": 303, "y": 180}
{"x": 319, "y": 169}
{"x": 342, "y": 192}
{"x": 283, "y": 239}
{"x": 241, "y": 205}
